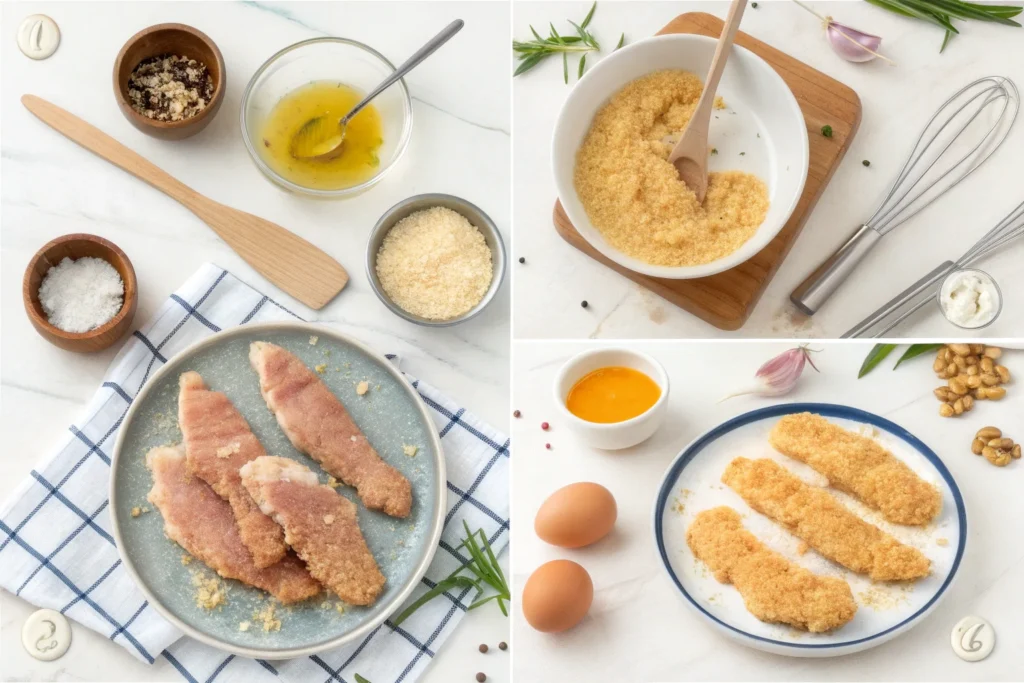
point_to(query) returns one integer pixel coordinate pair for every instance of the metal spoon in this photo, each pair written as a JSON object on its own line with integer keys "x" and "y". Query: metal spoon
{"x": 322, "y": 138}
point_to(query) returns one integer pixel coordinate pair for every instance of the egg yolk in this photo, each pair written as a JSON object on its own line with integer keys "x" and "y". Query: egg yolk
{"x": 612, "y": 394}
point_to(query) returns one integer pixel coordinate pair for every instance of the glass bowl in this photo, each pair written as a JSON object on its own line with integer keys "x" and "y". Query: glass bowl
{"x": 984, "y": 276}
{"x": 327, "y": 59}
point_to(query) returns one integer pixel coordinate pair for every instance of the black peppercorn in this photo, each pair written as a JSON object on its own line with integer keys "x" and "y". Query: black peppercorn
{"x": 503, "y": 645}
{"x": 584, "y": 303}
{"x": 481, "y": 677}
{"x": 522, "y": 259}
{"x": 866, "y": 162}
{"x": 483, "y": 647}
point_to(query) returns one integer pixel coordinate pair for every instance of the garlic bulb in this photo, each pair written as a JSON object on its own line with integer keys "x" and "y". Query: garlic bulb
{"x": 779, "y": 375}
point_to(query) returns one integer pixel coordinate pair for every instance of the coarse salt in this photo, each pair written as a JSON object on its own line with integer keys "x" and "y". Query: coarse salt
{"x": 80, "y": 295}
{"x": 435, "y": 264}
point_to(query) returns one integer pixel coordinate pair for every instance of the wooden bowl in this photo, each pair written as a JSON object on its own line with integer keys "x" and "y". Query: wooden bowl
{"x": 75, "y": 247}
{"x": 175, "y": 39}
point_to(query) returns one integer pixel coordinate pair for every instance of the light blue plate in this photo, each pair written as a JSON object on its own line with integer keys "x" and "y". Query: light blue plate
{"x": 885, "y": 610}
{"x": 391, "y": 415}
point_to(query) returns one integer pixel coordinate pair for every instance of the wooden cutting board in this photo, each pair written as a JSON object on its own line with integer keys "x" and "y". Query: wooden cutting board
{"x": 726, "y": 300}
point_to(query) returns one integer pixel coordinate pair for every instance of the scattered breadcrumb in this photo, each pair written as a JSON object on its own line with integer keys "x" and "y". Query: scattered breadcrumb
{"x": 410, "y": 450}
{"x": 186, "y": 559}
{"x": 136, "y": 511}
{"x": 942, "y": 542}
{"x": 210, "y": 591}
{"x": 313, "y": 340}
{"x": 340, "y": 607}
{"x": 634, "y": 196}
{"x": 228, "y": 451}
{"x": 332, "y": 482}
{"x": 244, "y": 626}
{"x": 328, "y": 519}
{"x": 884, "y": 596}
{"x": 720, "y": 102}
{"x": 362, "y": 387}
{"x": 321, "y": 368}
{"x": 267, "y": 617}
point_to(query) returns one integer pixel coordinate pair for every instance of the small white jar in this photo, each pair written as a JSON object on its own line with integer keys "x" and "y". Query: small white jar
{"x": 970, "y": 299}
{"x": 612, "y": 435}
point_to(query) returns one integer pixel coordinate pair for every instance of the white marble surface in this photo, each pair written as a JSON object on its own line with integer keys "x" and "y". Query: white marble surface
{"x": 897, "y": 101}
{"x": 460, "y": 145}
{"x": 639, "y": 628}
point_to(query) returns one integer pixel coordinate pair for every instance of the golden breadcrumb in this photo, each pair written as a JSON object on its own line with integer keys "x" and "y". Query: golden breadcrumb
{"x": 774, "y": 589}
{"x": 814, "y": 515}
{"x": 634, "y": 196}
{"x": 859, "y": 466}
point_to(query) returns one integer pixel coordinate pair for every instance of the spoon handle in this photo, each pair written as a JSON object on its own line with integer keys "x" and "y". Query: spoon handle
{"x": 718, "y": 61}
{"x": 437, "y": 41}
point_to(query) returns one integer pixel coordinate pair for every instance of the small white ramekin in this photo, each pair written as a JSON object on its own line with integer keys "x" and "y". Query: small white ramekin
{"x": 613, "y": 435}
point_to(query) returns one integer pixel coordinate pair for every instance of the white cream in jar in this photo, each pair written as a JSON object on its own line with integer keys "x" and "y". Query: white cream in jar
{"x": 969, "y": 298}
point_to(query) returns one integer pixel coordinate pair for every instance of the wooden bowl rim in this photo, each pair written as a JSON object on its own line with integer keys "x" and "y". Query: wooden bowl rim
{"x": 218, "y": 91}
{"x": 127, "y": 305}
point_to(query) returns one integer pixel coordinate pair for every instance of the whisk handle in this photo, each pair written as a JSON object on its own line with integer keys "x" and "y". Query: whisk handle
{"x": 902, "y": 305}
{"x": 817, "y": 287}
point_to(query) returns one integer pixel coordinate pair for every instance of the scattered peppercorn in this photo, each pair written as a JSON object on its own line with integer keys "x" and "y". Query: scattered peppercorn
{"x": 516, "y": 413}
{"x": 826, "y": 131}
{"x": 714, "y": 150}
{"x": 522, "y": 259}
{"x": 743, "y": 154}
{"x": 754, "y": 5}
{"x": 545, "y": 426}
{"x": 483, "y": 647}
{"x": 547, "y": 446}
{"x": 481, "y": 677}
{"x": 503, "y": 645}
{"x": 866, "y": 162}
{"x": 584, "y": 303}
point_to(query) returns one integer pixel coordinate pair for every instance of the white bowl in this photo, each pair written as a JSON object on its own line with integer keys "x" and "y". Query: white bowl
{"x": 762, "y": 120}
{"x": 613, "y": 435}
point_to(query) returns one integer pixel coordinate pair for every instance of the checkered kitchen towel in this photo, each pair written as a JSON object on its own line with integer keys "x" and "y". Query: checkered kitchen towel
{"x": 57, "y": 549}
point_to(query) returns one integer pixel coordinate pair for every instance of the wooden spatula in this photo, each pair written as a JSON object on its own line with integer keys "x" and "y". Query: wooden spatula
{"x": 290, "y": 262}
{"x": 690, "y": 155}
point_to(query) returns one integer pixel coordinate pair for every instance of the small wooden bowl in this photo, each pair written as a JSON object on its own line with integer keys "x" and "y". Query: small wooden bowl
{"x": 75, "y": 247}
{"x": 174, "y": 39}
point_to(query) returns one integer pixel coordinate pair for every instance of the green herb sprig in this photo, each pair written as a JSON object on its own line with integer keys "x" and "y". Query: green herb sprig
{"x": 943, "y": 12}
{"x": 533, "y": 52}
{"x": 879, "y": 352}
{"x": 485, "y": 570}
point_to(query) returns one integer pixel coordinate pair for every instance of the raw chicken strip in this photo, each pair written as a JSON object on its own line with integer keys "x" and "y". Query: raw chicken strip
{"x": 859, "y": 466}
{"x": 218, "y": 442}
{"x": 773, "y": 588}
{"x": 201, "y": 522}
{"x": 317, "y": 424}
{"x": 319, "y": 524}
{"x": 813, "y": 514}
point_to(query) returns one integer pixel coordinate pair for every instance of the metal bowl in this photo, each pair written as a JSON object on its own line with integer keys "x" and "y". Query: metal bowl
{"x": 473, "y": 214}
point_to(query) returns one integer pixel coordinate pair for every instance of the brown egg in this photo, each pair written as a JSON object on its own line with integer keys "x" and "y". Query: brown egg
{"x": 576, "y": 515}
{"x": 557, "y": 596}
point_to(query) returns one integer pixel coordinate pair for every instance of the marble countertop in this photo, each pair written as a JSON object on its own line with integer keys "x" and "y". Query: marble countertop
{"x": 639, "y": 626}
{"x": 897, "y": 101}
{"x": 460, "y": 145}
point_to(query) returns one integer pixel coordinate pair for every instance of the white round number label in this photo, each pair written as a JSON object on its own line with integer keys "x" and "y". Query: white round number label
{"x": 973, "y": 639}
{"x": 38, "y": 36}
{"x": 46, "y": 635}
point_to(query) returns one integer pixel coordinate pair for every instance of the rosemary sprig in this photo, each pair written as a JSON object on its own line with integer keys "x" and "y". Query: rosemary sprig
{"x": 942, "y": 12}
{"x": 484, "y": 567}
{"x": 532, "y": 52}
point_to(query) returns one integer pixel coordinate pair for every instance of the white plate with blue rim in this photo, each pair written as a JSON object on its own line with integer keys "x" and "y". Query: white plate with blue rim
{"x": 884, "y": 610}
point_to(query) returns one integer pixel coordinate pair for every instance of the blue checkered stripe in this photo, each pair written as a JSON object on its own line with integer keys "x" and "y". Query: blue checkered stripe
{"x": 57, "y": 549}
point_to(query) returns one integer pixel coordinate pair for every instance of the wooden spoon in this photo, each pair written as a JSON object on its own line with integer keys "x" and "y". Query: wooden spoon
{"x": 690, "y": 155}
{"x": 290, "y": 262}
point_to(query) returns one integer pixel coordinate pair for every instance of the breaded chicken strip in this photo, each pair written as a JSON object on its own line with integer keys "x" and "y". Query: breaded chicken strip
{"x": 217, "y": 442}
{"x": 813, "y": 514}
{"x": 319, "y": 524}
{"x": 317, "y": 424}
{"x": 202, "y": 523}
{"x": 859, "y": 466}
{"x": 774, "y": 589}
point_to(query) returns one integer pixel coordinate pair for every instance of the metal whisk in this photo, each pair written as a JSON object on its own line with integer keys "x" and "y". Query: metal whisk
{"x": 936, "y": 165}
{"x": 926, "y": 289}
